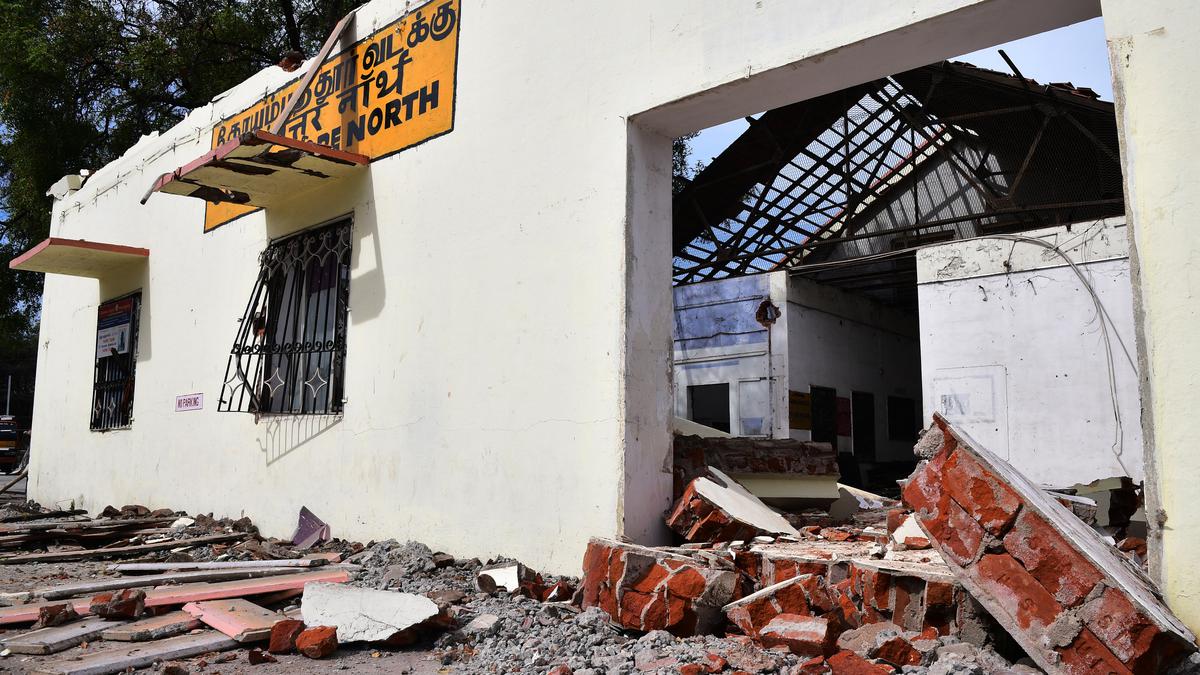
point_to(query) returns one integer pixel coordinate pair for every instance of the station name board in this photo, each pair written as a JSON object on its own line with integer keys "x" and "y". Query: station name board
{"x": 388, "y": 92}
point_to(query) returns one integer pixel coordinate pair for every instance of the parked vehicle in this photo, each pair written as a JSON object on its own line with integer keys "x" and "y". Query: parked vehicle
{"x": 12, "y": 444}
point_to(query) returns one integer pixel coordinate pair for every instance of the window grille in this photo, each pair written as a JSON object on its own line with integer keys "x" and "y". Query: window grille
{"x": 116, "y": 359}
{"x": 290, "y": 352}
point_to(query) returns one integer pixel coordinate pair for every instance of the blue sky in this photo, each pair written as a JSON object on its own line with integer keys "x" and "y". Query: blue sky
{"x": 1076, "y": 53}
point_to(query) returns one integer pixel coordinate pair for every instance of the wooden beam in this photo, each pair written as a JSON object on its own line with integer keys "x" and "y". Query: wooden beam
{"x": 165, "y": 596}
{"x": 154, "y": 628}
{"x": 132, "y": 657}
{"x": 58, "y": 638}
{"x": 230, "y": 565}
{"x": 150, "y": 580}
{"x": 240, "y": 619}
{"x": 92, "y": 554}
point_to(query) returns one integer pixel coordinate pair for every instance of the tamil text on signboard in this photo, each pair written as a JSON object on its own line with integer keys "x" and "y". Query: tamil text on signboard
{"x": 387, "y": 92}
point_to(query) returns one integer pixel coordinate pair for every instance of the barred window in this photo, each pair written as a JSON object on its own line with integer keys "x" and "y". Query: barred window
{"x": 290, "y": 352}
{"x": 116, "y": 359}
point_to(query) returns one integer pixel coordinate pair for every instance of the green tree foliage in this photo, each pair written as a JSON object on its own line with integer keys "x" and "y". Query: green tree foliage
{"x": 82, "y": 80}
{"x": 682, "y": 169}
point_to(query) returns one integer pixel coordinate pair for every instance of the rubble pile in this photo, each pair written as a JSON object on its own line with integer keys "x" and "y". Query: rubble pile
{"x": 979, "y": 572}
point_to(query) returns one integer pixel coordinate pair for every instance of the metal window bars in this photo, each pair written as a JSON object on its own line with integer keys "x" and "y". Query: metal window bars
{"x": 113, "y": 382}
{"x": 290, "y": 352}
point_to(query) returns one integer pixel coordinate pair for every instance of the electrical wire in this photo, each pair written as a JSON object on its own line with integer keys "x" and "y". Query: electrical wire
{"x": 1102, "y": 314}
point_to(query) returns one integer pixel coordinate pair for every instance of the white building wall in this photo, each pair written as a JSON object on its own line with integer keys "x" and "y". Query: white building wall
{"x": 850, "y": 343}
{"x": 510, "y": 304}
{"x": 1018, "y": 357}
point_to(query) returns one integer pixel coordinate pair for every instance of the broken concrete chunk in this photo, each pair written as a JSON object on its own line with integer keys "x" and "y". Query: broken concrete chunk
{"x": 481, "y": 626}
{"x": 717, "y": 508}
{"x": 1071, "y": 601}
{"x": 647, "y": 588}
{"x": 362, "y": 614}
{"x": 504, "y": 577}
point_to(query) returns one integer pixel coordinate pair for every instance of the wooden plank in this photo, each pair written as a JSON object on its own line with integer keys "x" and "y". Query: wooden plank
{"x": 240, "y": 619}
{"x": 154, "y": 628}
{"x": 91, "y": 554}
{"x": 102, "y": 524}
{"x": 177, "y": 595}
{"x": 163, "y": 596}
{"x": 151, "y": 580}
{"x": 58, "y": 638}
{"x": 145, "y": 654}
{"x": 229, "y": 565}
{"x": 28, "y": 613}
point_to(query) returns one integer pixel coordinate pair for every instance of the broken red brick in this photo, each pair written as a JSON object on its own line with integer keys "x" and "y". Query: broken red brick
{"x": 257, "y": 656}
{"x": 317, "y": 642}
{"x": 1128, "y": 633}
{"x": 897, "y": 651}
{"x": 124, "y": 604}
{"x": 849, "y": 663}
{"x": 1086, "y": 655}
{"x": 704, "y": 512}
{"x": 1051, "y": 560}
{"x": 559, "y": 592}
{"x": 283, "y": 636}
{"x": 654, "y": 589}
{"x": 758, "y": 609}
{"x": 980, "y": 492}
{"x": 560, "y": 670}
{"x": 692, "y": 669}
{"x": 55, "y": 615}
{"x": 834, "y": 534}
{"x": 916, "y": 543}
{"x": 802, "y": 635}
{"x": 715, "y": 663}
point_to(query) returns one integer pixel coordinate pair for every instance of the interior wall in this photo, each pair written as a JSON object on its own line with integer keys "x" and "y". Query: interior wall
{"x": 1013, "y": 350}
{"x": 719, "y": 341}
{"x": 850, "y": 343}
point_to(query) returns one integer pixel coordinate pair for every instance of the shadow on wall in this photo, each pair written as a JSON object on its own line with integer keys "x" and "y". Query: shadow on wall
{"x": 284, "y": 434}
{"x": 136, "y": 279}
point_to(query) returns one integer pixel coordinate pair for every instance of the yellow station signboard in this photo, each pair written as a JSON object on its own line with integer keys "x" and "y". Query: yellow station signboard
{"x": 388, "y": 92}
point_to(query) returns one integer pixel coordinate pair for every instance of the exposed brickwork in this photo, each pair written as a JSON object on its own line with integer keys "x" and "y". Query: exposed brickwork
{"x": 655, "y": 589}
{"x": 1062, "y": 593}
{"x": 697, "y": 519}
{"x": 750, "y": 456}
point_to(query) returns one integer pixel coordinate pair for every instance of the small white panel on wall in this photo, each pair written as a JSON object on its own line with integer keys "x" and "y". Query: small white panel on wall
{"x": 976, "y": 399}
{"x": 754, "y": 407}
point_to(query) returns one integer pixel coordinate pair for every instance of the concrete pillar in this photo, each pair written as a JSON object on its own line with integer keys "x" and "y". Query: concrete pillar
{"x": 1155, "y": 55}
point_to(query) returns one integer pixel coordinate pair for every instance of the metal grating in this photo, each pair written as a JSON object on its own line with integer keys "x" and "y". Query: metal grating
{"x": 290, "y": 352}
{"x": 116, "y": 361}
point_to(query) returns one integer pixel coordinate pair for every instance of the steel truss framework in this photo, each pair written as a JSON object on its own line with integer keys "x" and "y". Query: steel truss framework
{"x": 807, "y": 181}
